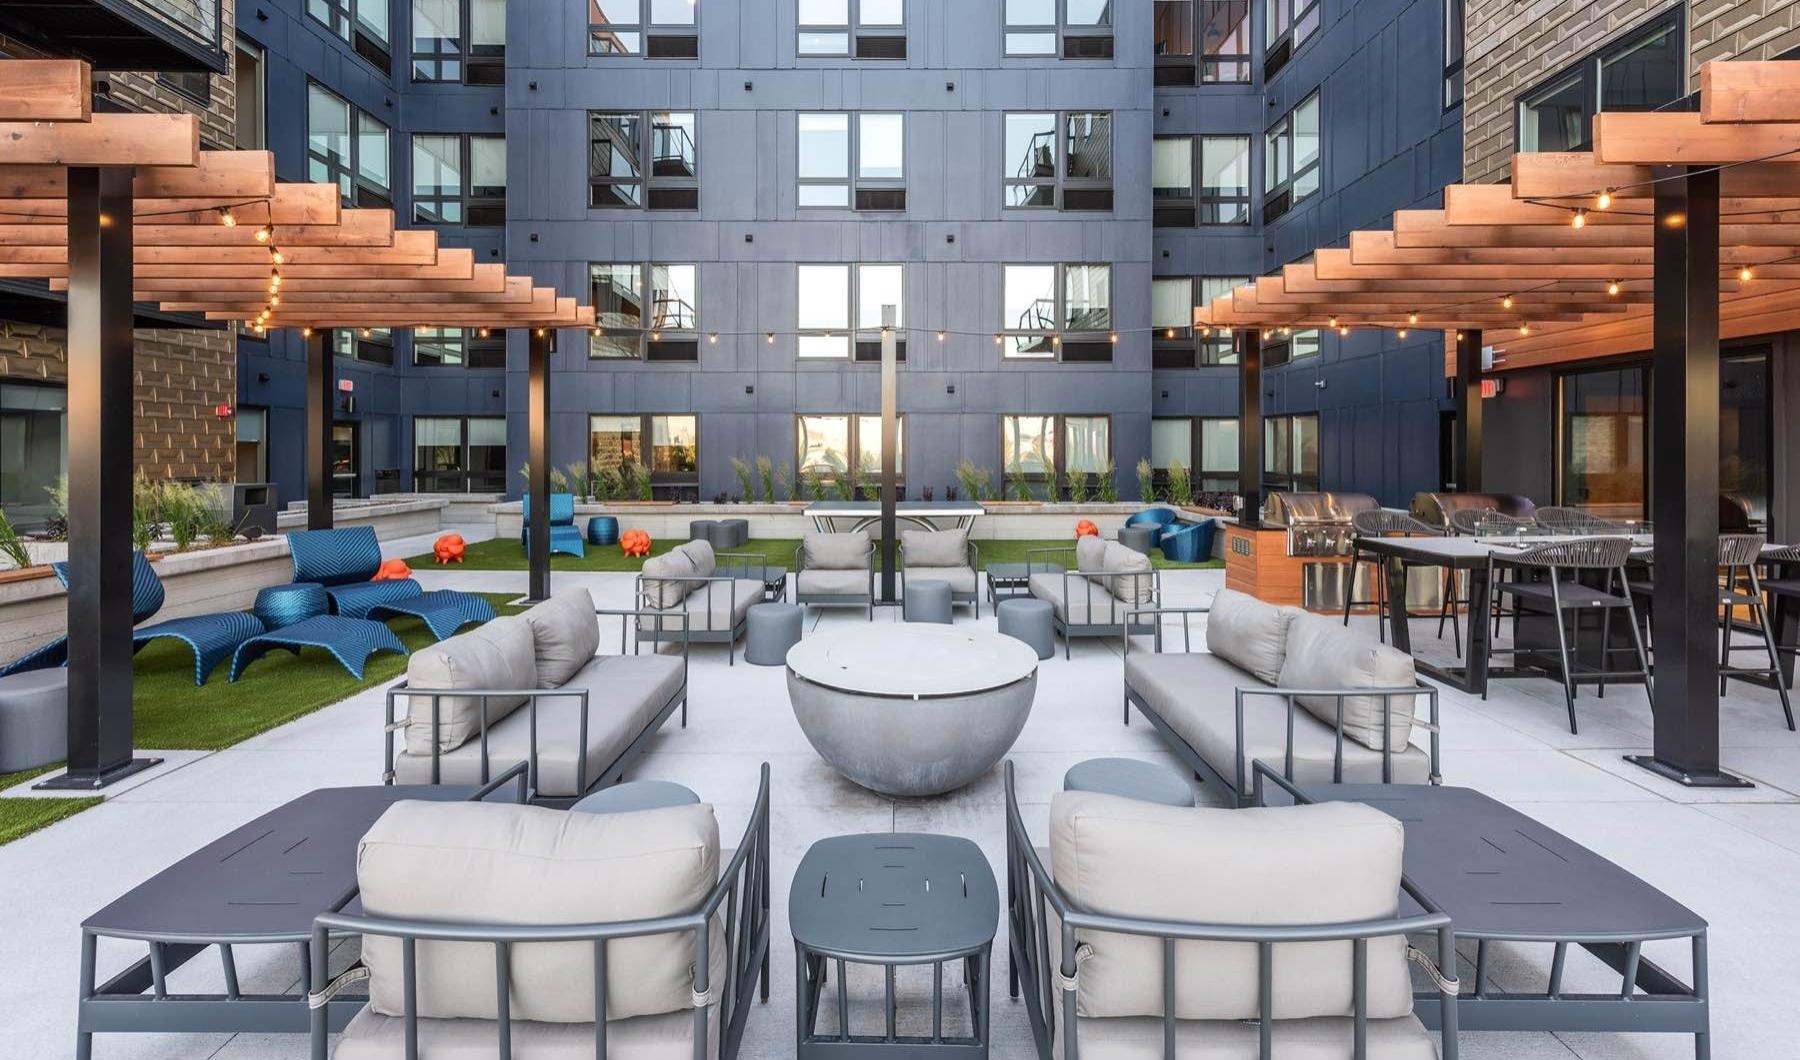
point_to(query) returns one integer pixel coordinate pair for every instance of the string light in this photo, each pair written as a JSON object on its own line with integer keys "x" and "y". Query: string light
{"x": 1169, "y": 334}
{"x": 1267, "y": 333}
{"x": 771, "y": 338}
{"x": 366, "y": 333}
{"x": 275, "y": 256}
{"x": 1579, "y": 219}
{"x": 1334, "y": 322}
{"x": 1745, "y": 274}
{"x": 1524, "y": 328}
{"x": 1205, "y": 333}
{"x": 1412, "y": 318}
{"x": 306, "y": 333}
{"x": 1506, "y": 302}
{"x": 940, "y": 336}
{"x": 998, "y": 340}
{"x": 713, "y": 338}
{"x": 227, "y": 218}
{"x": 1343, "y": 331}
{"x": 1113, "y": 338}
{"x": 274, "y": 299}
{"x": 264, "y": 234}
{"x": 1613, "y": 288}
{"x": 484, "y": 333}
{"x": 1056, "y": 340}
{"x": 1403, "y": 333}
{"x": 1604, "y": 202}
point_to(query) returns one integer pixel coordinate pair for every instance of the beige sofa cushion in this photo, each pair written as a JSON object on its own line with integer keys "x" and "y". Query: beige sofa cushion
{"x": 960, "y": 579}
{"x": 701, "y": 555}
{"x": 667, "y": 1037}
{"x": 1131, "y": 586}
{"x": 716, "y": 607}
{"x": 812, "y": 582}
{"x": 492, "y": 863}
{"x": 1323, "y": 654}
{"x": 565, "y": 635}
{"x": 675, "y": 563}
{"x": 935, "y": 548}
{"x": 499, "y": 654}
{"x": 1249, "y": 633}
{"x": 838, "y": 551}
{"x": 1090, "y": 553}
{"x": 1086, "y": 601}
{"x": 1320, "y": 864}
{"x": 1324, "y": 1038}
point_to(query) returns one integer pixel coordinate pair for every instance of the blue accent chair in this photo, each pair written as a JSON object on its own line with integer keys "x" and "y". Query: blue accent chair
{"x": 1188, "y": 542}
{"x": 211, "y": 637}
{"x": 349, "y": 640}
{"x": 1157, "y": 519}
{"x": 444, "y": 611}
{"x": 565, "y": 536}
{"x": 343, "y": 560}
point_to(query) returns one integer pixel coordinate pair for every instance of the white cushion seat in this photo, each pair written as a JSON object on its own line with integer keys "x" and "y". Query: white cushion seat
{"x": 829, "y": 582}
{"x": 960, "y": 579}
{"x": 715, "y": 607}
{"x": 666, "y": 1037}
{"x": 1088, "y": 602}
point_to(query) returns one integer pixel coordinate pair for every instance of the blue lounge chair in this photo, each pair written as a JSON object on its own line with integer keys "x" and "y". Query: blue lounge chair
{"x": 565, "y": 536}
{"x": 349, "y": 640}
{"x": 210, "y": 637}
{"x": 1158, "y": 519}
{"x": 444, "y": 611}
{"x": 1188, "y": 542}
{"x": 343, "y": 561}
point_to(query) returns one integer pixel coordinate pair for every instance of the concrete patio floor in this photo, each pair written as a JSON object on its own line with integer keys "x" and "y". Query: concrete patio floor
{"x": 1733, "y": 856}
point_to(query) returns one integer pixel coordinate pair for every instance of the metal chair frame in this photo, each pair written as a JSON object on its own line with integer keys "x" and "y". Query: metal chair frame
{"x": 657, "y": 634}
{"x": 835, "y": 599}
{"x": 1118, "y": 612}
{"x": 1476, "y": 522}
{"x": 1380, "y": 522}
{"x": 972, "y": 559}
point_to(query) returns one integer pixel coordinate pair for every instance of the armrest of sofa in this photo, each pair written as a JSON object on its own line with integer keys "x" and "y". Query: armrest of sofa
{"x": 1157, "y": 612}
{"x": 1386, "y": 695}
{"x": 483, "y": 696}
{"x": 680, "y": 618}
{"x": 1032, "y": 563}
{"x": 692, "y": 583}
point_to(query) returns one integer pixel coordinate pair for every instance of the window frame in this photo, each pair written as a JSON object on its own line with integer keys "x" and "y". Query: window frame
{"x": 1059, "y": 458}
{"x": 853, "y": 182}
{"x": 853, "y": 440}
{"x": 856, "y": 336}
{"x": 1060, "y": 183}
{"x": 351, "y": 170}
{"x": 1587, "y": 71}
{"x": 1205, "y": 479}
{"x": 1180, "y": 348}
{"x": 345, "y": 24}
{"x": 467, "y": 56}
{"x": 1293, "y": 478}
{"x": 476, "y": 351}
{"x": 1278, "y": 186}
{"x": 686, "y": 35}
{"x": 654, "y": 343}
{"x": 260, "y": 55}
{"x": 1062, "y": 31}
{"x": 375, "y": 347}
{"x": 1088, "y": 342}
{"x": 1198, "y": 66}
{"x": 855, "y": 33}
{"x": 675, "y": 485}
{"x": 1454, "y": 30}
{"x": 491, "y": 209}
{"x": 647, "y": 181}
{"x": 465, "y": 447}
{"x": 1280, "y": 45}
{"x": 1197, "y": 208}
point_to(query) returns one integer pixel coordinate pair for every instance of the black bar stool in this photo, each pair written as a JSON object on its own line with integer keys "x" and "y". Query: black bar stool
{"x": 1379, "y": 522}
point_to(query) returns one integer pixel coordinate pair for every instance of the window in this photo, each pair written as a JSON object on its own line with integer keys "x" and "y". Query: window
{"x": 1291, "y": 159}
{"x": 459, "y": 40}
{"x": 1453, "y": 53}
{"x": 865, "y": 29}
{"x": 458, "y": 454}
{"x": 659, "y": 29}
{"x": 347, "y": 146}
{"x": 826, "y": 443}
{"x": 1602, "y": 441}
{"x": 370, "y": 345}
{"x": 1285, "y": 345}
{"x": 618, "y": 144}
{"x": 1224, "y": 33}
{"x": 1044, "y": 449}
{"x": 1290, "y": 23}
{"x": 450, "y": 347}
{"x": 1059, "y": 159}
{"x": 459, "y": 179}
{"x": 616, "y": 443}
{"x": 623, "y": 328}
{"x": 250, "y": 80}
{"x": 1291, "y": 452}
{"x": 1207, "y": 446}
{"x": 1639, "y": 71}
{"x": 1175, "y": 343}
{"x": 1074, "y": 29}
{"x": 851, "y": 161}
{"x": 34, "y": 453}
{"x": 1057, "y": 311}
{"x": 830, "y": 297}
{"x": 361, "y": 23}
{"x": 1223, "y": 180}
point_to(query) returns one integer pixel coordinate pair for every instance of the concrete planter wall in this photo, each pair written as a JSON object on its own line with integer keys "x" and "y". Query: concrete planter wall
{"x": 398, "y": 516}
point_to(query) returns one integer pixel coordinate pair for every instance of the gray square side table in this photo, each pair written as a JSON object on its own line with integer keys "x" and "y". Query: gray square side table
{"x": 892, "y": 899}
{"x": 1009, "y": 579}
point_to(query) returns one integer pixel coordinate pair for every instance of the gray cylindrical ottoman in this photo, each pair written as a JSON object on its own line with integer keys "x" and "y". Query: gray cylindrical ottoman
{"x": 1130, "y": 778}
{"x": 772, "y": 630}
{"x": 34, "y": 719}
{"x": 1137, "y": 538}
{"x": 927, "y": 601}
{"x": 1031, "y": 620}
{"x": 735, "y": 533}
{"x": 634, "y": 795}
{"x": 702, "y": 530}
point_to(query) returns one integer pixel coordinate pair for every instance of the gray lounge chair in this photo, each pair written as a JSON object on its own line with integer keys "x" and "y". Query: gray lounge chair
{"x": 946, "y": 556}
{"x": 1097, "y": 597}
{"x": 836, "y": 570}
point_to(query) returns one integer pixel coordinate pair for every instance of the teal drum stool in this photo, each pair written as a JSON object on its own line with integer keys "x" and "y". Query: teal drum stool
{"x": 603, "y": 530}
{"x": 284, "y": 605}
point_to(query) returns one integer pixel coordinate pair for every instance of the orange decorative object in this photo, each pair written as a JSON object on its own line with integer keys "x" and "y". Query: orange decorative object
{"x": 393, "y": 570}
{"x": 1086, "y": 528}
{"x": 635, "y": 542}
{"x": 449, "y": 548}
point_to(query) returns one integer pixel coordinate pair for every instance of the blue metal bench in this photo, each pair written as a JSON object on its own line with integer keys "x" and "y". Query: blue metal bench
{"x": 343, "y": 561}
{"x": 349, "y": 640}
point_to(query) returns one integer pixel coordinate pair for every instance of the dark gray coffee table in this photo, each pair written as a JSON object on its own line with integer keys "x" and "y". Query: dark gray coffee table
{"x": 1008, "y": 579}
{"x": 260, "y": 884}
{"x": 1503, "y": 877}
{"x": 892, "y": 899}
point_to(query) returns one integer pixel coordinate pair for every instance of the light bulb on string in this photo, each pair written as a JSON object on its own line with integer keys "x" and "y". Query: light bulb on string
{"x": 1604, "y": 201}
{"x": 1506, "y": 302}
{"x": 227, "y": 218}
{"x": 264, "y": 234}
{"x": 1745, "y": 274}
{"x": 1613, "y": 288}
{"x": 1580, "y": 218}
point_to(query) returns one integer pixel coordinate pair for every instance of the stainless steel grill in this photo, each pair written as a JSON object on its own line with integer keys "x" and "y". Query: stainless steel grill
{"x": 1317, "y": 524}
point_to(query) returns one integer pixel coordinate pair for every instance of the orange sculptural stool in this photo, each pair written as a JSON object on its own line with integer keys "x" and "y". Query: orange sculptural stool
{"x": 392, "y": 570}
{"x": 635, "y": 542}
{"x": 1086, "y": 528}
{"x": 449, "y": 548}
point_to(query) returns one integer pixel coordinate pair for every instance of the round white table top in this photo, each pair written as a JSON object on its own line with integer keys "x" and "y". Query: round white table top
{"x": 911, "y": 659}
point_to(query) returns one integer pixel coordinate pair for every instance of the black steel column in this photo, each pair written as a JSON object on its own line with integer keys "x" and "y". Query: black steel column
{"x": 1468, "y": 410}
{"x": 100, "y": 466}
{"x": 320, "y": 397}
{"x": 890, "y": 431}
{"x": 1250, "y": 430}
{"x": 1685, "y": 453}
{"x": 537, "y": 419}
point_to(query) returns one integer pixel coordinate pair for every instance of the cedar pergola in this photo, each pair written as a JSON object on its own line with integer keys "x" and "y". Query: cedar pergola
{"x": 115, "y": 209}
{"x": 1676, "y": 230}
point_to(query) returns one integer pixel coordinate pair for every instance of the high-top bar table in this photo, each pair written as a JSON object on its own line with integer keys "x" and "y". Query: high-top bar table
{"x": 924, "y": 514}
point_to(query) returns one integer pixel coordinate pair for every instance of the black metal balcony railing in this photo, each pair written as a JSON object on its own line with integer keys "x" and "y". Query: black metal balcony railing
{"x": 162, "y": 36}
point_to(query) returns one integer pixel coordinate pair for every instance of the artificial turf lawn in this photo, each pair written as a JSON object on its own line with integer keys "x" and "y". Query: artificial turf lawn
{"x": 505, "y": 554}
{"x": 21, "y": 817}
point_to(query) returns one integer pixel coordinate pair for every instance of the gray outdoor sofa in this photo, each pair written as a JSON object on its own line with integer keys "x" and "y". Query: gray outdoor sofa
{"x": 1147, "y": 932}
{"x": 500, "y": 931}
{"x": 531, "y": 688}
{"x": 1098, "y": 598}
{"x": 686, "y": 581}
{"x": 1315, "y": 701}
{"x": 836, "y": 570}
{"x": 946, "y": 556}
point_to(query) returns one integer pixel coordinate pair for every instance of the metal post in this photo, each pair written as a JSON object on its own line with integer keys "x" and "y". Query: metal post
{"x": 890, "y": 436}
{"x": 100, "y": 465}
{"x": 1685, "y": 452}
{"x": 320, "y": 398}
{"x": 1250, "y": 429}
{"x": 537, "y": 419}
{"x": 1468, "y": 410}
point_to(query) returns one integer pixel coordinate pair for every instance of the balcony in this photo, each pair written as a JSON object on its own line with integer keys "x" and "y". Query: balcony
{"x": 149, "y": 35}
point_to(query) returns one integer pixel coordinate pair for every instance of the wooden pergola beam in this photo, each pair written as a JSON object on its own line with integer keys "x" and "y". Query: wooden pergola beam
{"x": 1577, "y": 178}
{"x": 227, "y": 175}
{"x": 1744, "y": 92}
{"x": 45, "y": 90}
{"x": 1673, "y": 138}
{"x": 104, "y": 140}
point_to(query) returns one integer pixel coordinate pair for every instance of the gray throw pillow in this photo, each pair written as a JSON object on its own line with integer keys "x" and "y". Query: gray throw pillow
{"x": 1323, "y": 654}
{"x": 1132, "y": 586}
{"x": 935, "y": 548}
{"x": 837, "y": 551}
{"x": 672, "y": 564}
{"x": 1248, "y": 633}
